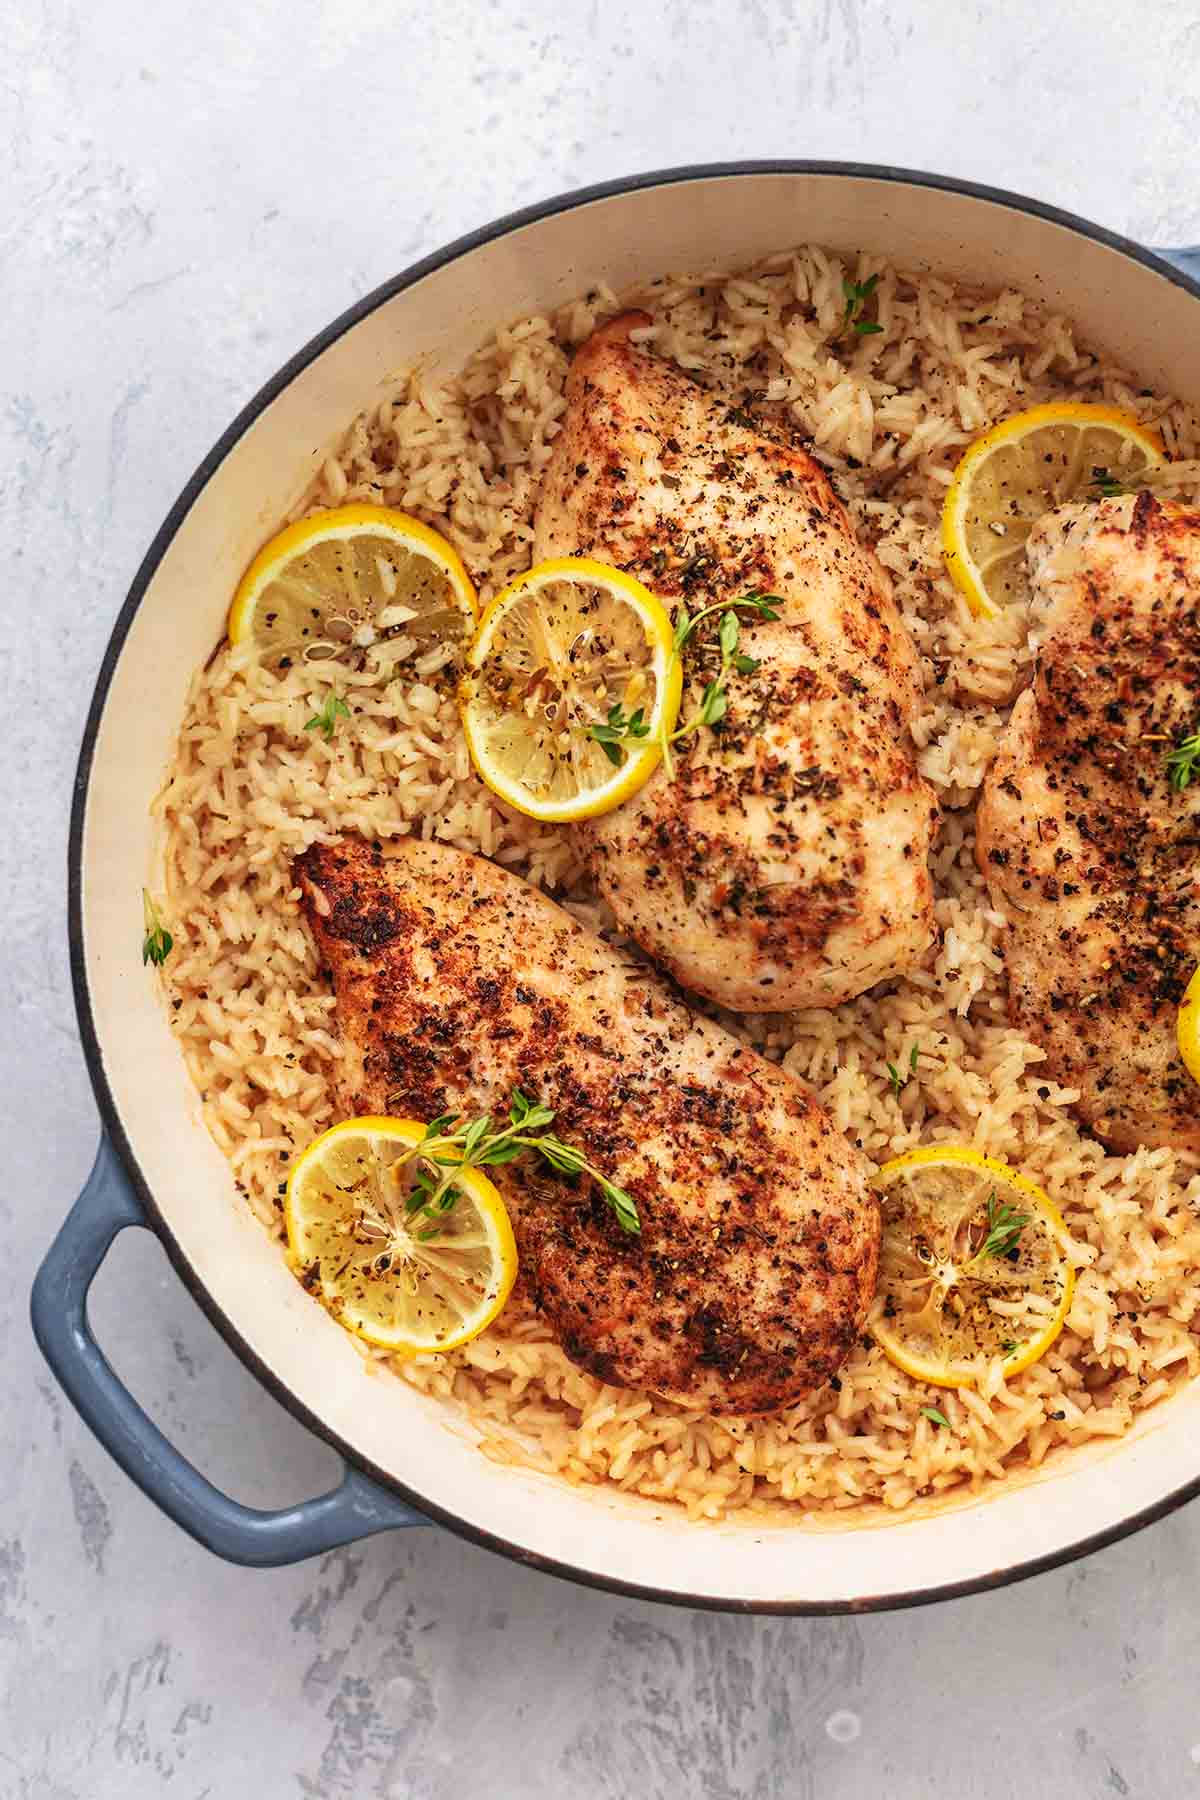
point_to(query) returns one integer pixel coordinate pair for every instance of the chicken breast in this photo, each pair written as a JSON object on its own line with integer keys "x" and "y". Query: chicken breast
{"x": 785, "y": 863}
{"x": 1085, "y": 844}
{"x": 456, "y": 982}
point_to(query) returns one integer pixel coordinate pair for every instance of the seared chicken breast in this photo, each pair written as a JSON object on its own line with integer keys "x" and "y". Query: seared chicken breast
{"x": 1087, "y": 846}
{"x": 785, "y": 862}
{"x": 456, "y": 982}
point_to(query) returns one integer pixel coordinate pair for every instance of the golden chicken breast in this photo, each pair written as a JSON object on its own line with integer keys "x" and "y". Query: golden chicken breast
{"x": 456, "y": 982}
{"x": 1088, "y": 845}
{"x": 784, "y": 862}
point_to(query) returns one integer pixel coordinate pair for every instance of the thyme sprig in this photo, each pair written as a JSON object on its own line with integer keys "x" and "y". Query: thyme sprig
{"x": 325, "y": 721}
{"x": 856, "y": 295}
{"x": 454, "y": 1143}
{"x": 620, "y": 730}
{"x": 1182, "y": 762}
{"x": 157, "y": 943}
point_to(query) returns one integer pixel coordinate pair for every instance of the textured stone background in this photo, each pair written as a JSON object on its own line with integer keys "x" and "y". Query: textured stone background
{"x": 189, "y": 192}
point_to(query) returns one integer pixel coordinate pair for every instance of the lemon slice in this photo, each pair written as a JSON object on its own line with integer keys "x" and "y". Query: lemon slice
{"x": 1022, "y": 469}
{"x": 364, "y": 1242}
{"x": 338, "y": 583}
{"x": 555, "y": 654}
{"x": 1187, "y": 1027}
{"x": 973, "y": 1264}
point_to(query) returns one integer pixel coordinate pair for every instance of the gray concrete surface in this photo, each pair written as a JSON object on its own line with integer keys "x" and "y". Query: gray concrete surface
{"x": 188, "y": 193}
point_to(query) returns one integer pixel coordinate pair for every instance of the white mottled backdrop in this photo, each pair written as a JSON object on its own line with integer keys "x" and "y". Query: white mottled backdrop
{"x": 188, "y": 191}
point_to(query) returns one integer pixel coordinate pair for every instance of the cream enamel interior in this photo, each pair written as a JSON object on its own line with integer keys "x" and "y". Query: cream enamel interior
{"x": 704, "y": 223}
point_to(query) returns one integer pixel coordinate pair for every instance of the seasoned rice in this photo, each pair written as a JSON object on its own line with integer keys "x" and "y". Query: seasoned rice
{"x": 249, "y": 789}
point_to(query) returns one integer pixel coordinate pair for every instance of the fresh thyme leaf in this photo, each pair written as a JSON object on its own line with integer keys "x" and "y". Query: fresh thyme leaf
{"x": 1182, "y": 762}
{"x": 563, "y": 1157}
{"x": 1004, "y": 1229}
{"x": 423, "y": 1188}
{"x": 530, "y": 1114}
{"x": 1105, "y": 483}
{"x": 494, "y": 1156}
{"x": 611, "y": 735}
{"x": 714, "y": 703}
{"x": 474, "y": 1136}
{"x": 683, "y": 626}
{"x": 436, "y": 1127}
{"x": 938, "y": 1418}
{"x": 729, "y": 632}
{"x": 623, "y": 1206}
{"x": 746, "y": 665}
{"x": 1008, "y": 1346}
{"x": 856, "y": 294}
{"x": 325, "y": 721}
{"x": 899, "y": 1081}
{"x": 157, "y": 942}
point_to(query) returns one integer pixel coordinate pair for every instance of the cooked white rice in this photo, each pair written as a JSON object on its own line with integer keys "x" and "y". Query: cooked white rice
{"x": 250, "y": 788}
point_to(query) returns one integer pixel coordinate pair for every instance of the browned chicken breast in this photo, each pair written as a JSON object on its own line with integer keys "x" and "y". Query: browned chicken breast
{"x": 784, "y": 865}
{"x": 456, "y": 982}
{"x": 1086, "y": 845}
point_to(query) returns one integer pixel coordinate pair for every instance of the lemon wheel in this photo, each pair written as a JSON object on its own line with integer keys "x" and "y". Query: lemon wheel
{"x": 406, "y": 1273}
{"x": 1187, "y": 1027}
{"x": 974, "y": 1264}
{"x": 572, "y": 647}
{"x": 1022, "y": 469}
{"x": 353, "y": 579}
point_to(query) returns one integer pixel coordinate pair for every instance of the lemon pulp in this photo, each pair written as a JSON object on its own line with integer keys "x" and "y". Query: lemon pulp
{"x": 568, "y": 647}
{"x": 973, "y": 1265}
{"x": 1022, "y": 469}
{"x": 355, "y": 578}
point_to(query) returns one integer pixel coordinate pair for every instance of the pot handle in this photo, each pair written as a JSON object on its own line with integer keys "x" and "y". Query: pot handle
{"x": 1186, "y": 259}
{"x": 241, "y": 1534}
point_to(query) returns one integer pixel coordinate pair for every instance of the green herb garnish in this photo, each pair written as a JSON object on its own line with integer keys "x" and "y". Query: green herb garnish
{"x": 1008, "y": 1346}
{"x": 938, "y": 1418}
{"x": 898, "y": 1080}
{"x": 156, "y": 945}
{"x": 325, "y": 721}
{"x": 1108, "y": 484}
{"x": 1004, "y": 1229}
{"x": 1182, "y": 761}
{"x": 619, "y": 730}
{"x": 856, "y": 294}
{"x": 455, "y": 1145}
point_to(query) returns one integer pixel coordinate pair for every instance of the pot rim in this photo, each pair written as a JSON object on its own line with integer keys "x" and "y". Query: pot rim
{"x": 109, "y": 1113}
